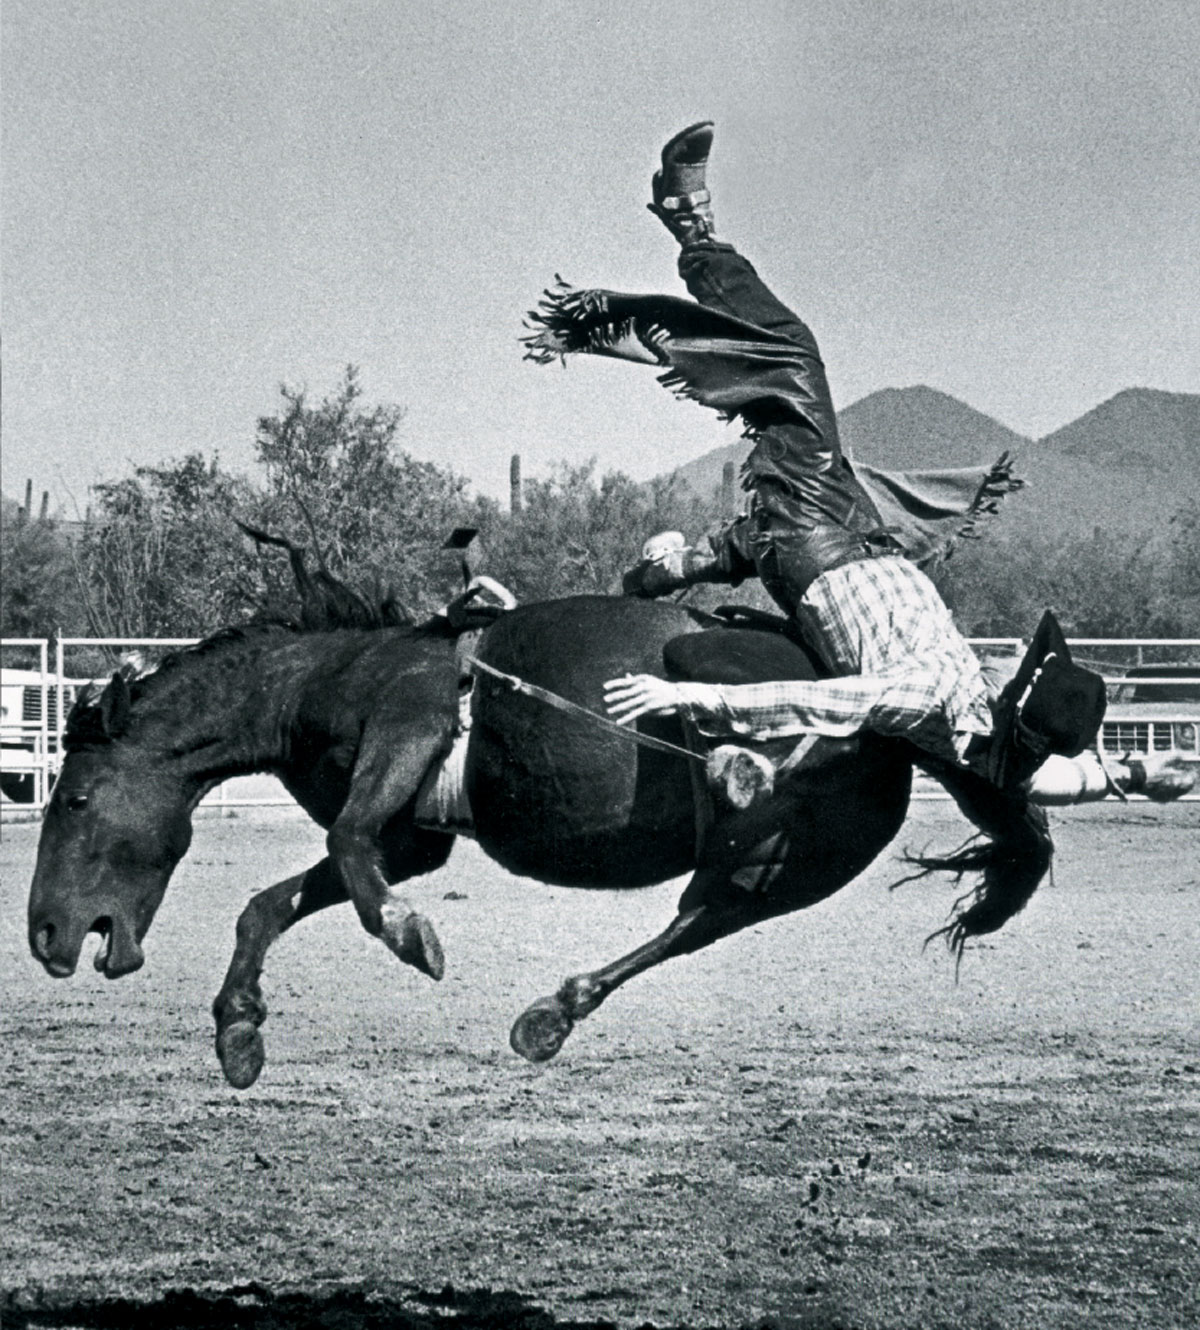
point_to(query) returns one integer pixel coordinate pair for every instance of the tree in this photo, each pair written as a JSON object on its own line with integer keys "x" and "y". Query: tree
{"x": 1102, "y": 585}
{"x": 337, "y": 482}
{"x": 38, "y": 591}
{"x": 577, "y": 535}
{"x": 164, "y": 557}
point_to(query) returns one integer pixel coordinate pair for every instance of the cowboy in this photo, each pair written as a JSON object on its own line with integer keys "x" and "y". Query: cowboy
{"x": 815, "y": 532}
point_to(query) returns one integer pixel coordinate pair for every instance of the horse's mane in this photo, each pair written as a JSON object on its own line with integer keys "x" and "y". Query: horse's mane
{"x": 327, "y": 604}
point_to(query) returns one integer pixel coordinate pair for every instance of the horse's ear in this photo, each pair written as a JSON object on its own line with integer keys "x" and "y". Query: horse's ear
{"x": 114, "y": 707}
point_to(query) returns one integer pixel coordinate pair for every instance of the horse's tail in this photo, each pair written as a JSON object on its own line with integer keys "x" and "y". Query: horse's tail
{"x": 326, "y": 601}
{"x": 1012, "y": 860}
{"x": 295, "y": 553}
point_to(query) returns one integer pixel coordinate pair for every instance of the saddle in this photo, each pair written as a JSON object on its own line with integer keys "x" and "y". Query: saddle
{"x": 742, "y": 645}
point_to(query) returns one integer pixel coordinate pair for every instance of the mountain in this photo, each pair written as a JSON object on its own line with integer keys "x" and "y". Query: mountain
{"x": 902, "y": 429}
{"x": 1128, "y": 463}
{"x": 1137, "y": 430}
{"x": 918, "y": 429}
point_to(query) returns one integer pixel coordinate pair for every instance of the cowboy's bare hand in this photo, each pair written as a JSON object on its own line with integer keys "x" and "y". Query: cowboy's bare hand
{"x": 635, "y": 695}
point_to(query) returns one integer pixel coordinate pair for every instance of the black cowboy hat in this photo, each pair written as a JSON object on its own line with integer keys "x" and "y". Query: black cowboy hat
{"x": 1051, "y": 705}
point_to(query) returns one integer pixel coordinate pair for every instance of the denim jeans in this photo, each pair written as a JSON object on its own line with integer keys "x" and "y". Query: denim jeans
{"x": 810, "y": 513}
{"x": 719, "y": 277}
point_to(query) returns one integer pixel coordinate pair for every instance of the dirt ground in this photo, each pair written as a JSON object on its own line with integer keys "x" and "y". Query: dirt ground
{"x": 811, "y": 1125}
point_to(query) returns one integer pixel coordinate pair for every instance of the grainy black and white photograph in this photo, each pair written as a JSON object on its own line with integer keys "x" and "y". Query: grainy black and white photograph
{"x": 600, "y": 659}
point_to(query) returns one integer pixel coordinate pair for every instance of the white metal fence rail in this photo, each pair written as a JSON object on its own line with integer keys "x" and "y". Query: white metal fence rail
{"x": 25, "y": 742}
{"x": 32, "y": 746}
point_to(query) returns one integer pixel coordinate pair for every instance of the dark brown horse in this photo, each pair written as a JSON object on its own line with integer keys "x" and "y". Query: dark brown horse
{"x": 352, "y": 718}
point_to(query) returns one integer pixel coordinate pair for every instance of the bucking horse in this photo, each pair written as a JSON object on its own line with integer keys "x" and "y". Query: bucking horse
{"x": 353, "y": 706}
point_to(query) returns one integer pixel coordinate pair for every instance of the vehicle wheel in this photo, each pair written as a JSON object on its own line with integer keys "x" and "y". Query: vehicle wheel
{"x": 17, "y": 786}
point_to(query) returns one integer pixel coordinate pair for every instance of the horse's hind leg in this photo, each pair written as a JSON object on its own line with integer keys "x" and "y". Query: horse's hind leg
{"x": 239, "y": 1008}
{"x": 540, "y": 1031}
{"x": 818, "y": 832}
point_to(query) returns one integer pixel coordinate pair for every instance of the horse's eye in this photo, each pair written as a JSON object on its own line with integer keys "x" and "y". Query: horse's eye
{"x": 76, "y": 803}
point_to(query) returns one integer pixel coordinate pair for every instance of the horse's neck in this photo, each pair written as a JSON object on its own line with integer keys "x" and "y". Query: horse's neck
{"x": 228, "y": 714}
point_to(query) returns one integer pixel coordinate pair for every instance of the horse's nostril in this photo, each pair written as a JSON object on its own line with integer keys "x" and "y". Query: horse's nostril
{"x": 42, "y": 940}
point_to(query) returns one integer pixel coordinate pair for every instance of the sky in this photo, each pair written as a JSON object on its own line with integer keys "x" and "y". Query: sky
{"x": 202, "y": 201}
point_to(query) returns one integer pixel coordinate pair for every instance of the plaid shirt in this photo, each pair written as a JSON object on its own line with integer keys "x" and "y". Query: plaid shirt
{"x": 903, "y": 668}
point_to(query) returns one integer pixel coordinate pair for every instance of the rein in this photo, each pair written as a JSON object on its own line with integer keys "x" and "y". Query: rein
{"x": 519, "y": 685}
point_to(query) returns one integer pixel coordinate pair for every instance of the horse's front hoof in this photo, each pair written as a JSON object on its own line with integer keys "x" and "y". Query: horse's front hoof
{"x": 420, "y": 948}
{"x": 539, "y": 1032}
{"x": 240, "y": 1048}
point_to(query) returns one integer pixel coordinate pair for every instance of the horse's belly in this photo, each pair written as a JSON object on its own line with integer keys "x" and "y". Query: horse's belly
{"x": 556, "y": 796}
{"x": 579, "y": 808}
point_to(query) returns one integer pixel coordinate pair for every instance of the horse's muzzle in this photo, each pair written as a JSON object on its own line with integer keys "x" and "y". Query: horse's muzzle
{"x": 58, "y": 950}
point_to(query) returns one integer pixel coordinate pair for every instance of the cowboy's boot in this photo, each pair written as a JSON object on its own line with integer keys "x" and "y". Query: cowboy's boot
{"x": 680, "y": 197}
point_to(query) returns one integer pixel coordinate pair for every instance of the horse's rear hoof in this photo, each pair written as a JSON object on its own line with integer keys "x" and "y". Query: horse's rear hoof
{"x": 420, "y": 948}
{"x": 539, "y": 1032}
{"x": 240, "y": 1048}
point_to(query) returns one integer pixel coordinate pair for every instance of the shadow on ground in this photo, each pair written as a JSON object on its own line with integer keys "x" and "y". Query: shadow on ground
{"x": 252, "y": 1307}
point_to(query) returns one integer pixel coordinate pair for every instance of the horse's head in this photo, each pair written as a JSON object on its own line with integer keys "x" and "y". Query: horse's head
{"x": 118, "y": 822}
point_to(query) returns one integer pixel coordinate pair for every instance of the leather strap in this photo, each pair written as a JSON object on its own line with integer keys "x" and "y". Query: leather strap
{"x": 519, "y": 685}
{"x": 685, "y": 202}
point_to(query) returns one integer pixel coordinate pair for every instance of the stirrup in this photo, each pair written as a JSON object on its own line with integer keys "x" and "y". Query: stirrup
{"x": 738, "y": 777}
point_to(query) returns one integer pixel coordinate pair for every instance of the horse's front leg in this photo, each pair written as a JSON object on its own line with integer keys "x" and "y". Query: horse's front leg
{"x": 239, "y": 1008}
{"x": 373, "y": 843}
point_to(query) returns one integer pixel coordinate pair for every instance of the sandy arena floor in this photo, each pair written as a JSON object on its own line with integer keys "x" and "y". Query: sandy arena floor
{"x": 811, "y": 1125}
